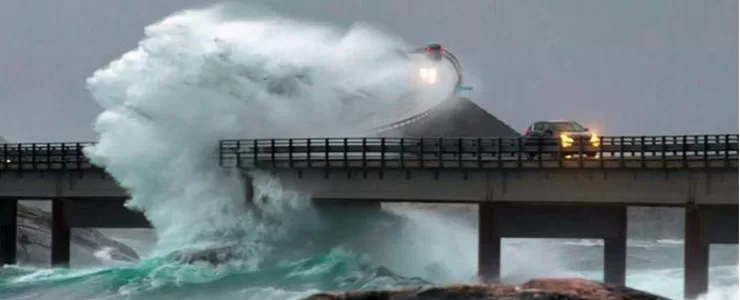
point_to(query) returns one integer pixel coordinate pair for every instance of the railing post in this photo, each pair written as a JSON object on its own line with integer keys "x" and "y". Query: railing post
{"x": 33, "y": 157}
{"x": 706, "y": 151}
{"x": 364, "y": 157}
{"x": 559, "y": 153}
{"x": 326, "y": 155}
{"x": 308, "y": 152}
{"x": 662, "y": 152}
{"x": 382, "y": 154}
{"x": 346, "y": 161}
{"x": 480, "y": 153}
{"x": 238, "y": 152}
{"x": 272, "y": 152}
{"x": 255, "y": 152}
{"x": 290, "y": 153}
{"x": 683, "y": 155}
{"x": 621, "y": 151}
{"x": 580, "y": 152}
{"x": 78, "y": 154}
{"x": 642, "y": 151}
{"x": 49, "y": 163}
{"x": 459, "y": 152}
{"x": 6, "y": 160}
{"x": 403, "y": 154}
{"x": 220, "y": 153}
{"x": 439, "y": 154}
{"x": 539, "y": 151}
{"x": 421, "y": 153}
{"x": 519, "y": 152}
{"x": 20, "y": 157}
{"x": 499, "y": 163}
{"x": 601, "y": 151}
{"x": 727, "y": 151}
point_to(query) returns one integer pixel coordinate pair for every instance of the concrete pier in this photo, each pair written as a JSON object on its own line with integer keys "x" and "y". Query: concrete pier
{"x": 60, "y": 234}
{"x": 615, "y": 249}
{"x": 8, "y": 231}
{"x": 546, "y": 220}
{"x": 489, "y": 244}
{"x": 705, "y": 225}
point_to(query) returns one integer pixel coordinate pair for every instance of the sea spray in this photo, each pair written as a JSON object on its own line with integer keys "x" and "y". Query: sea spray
{"x": 200, "y": 76}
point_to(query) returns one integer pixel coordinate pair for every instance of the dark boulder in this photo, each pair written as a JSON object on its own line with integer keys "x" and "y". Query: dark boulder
{"x": 541, "y": 289}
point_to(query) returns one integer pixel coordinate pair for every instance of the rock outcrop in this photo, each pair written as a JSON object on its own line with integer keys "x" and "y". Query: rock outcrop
{"x": 34, "y": 239}
{"x": 541, "y": 289}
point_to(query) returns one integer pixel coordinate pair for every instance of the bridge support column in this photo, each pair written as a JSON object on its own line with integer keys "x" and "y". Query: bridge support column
{"x": 489, "y": 244}
{"x": 248, "y": 189}
{"x": 8, "y": 231}
{"x": 615, "y": 250}
{"x": 696, "y": 254}
{"x": 60, "y": 234}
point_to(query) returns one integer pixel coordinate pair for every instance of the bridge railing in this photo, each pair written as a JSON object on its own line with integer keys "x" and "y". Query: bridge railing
{"x": 43, "y": 156}
{"x": 603, "y": 152}
{"x": 696, "y": 151}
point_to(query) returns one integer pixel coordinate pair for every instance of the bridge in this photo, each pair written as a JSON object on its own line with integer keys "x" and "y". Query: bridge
{"x": 523, "y": 189}
{"x": 519, "y": 195}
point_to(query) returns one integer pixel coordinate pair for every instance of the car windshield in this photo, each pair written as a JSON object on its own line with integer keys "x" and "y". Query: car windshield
{"x": 568, "y": 126}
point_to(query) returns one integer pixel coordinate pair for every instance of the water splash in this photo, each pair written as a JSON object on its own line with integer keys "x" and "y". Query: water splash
{"x": 200, "y": 76}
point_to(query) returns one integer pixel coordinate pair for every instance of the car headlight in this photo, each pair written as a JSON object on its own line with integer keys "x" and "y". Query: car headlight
{"x": 594, "y": 140}
{"x": 565, "y": 140}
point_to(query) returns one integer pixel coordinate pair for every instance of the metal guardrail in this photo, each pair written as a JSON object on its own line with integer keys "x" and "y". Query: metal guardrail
{"x": 44, "y": 156}
{"x": 690, "y": 151}
{"x": 695, "y": 151}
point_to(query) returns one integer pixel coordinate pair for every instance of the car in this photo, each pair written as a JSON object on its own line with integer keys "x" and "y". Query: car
{"x": 568, "y": 137}
{"x": 434, "y": 52}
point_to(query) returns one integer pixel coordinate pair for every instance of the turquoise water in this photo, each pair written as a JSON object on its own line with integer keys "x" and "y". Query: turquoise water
{"x": 161, "y": 279}
{"x": 407, "y": 256}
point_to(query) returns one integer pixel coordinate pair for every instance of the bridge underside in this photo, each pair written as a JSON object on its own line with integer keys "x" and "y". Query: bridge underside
{"x": 67, "y": 213}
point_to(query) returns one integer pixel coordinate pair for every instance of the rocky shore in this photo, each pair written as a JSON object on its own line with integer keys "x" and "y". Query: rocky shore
{"x": 540, "y": 289}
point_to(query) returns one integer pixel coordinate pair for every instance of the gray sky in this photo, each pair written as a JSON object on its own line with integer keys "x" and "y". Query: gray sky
{"x": 624, "y": 67}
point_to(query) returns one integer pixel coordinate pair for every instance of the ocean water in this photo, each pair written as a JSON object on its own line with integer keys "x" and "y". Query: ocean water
{"x": 233, "y": 71}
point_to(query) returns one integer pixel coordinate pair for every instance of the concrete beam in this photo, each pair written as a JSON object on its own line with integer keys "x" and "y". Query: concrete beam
{"x": 102, "y": 213}
{"x": 34, "y": 185}
{"x": 721, "y": 223}
{"x": 630, "y": 186}
{"x": 542, "y": 219}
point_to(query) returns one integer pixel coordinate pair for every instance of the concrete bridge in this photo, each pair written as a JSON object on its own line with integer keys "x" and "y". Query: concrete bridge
{"x": 547, "y": 195}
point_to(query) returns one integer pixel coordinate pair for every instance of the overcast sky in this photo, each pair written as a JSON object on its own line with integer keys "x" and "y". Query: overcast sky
{"x": 624, "y": 67}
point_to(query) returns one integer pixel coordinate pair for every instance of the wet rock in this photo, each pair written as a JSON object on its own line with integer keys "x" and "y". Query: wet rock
{"x": 540, "y": 289}
{"x": 212, "y": 256}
